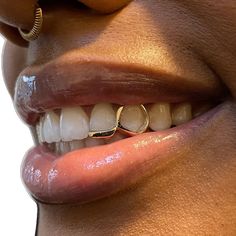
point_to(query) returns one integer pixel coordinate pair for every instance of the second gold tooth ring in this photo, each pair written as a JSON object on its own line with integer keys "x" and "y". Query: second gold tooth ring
{"x": 143, "y": 127}
{"x": 35, "y": 31}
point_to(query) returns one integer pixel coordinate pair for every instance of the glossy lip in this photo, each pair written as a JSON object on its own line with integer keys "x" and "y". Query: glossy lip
{"x": 93, "y": 173}
{"x": 70, "y": 81}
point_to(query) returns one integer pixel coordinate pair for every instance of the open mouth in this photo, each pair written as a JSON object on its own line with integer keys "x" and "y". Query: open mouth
{"x": 101, "y": 134}
{"x": 68, "y": 129}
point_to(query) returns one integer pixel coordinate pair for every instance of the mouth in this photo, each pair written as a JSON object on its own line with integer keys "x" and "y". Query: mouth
{"x": 100, "y": 127}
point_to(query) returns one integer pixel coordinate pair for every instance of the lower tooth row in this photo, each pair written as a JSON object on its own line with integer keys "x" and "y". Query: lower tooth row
{"x": 74, "y": 123}
{"x": 65, "y": 147}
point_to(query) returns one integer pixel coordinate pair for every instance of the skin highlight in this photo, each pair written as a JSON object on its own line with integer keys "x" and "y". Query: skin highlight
{"x": 196, "y": 193}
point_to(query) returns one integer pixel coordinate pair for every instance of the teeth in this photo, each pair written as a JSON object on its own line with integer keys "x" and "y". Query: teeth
{"x": 133, "y": 118}
{"x": 51, "y": 127}
{"x": 57, "y": 148}
{"x": 62, "y": 148}
{"x": 103, "y": 117}
{"x": 91, "y": 142}
{"x": 76, "y": 144}
{"x": 181, "y": 113}
{"x": 160, "y": 116}
{"x": 71, "y": 129}
{"x": 74, "y": 124}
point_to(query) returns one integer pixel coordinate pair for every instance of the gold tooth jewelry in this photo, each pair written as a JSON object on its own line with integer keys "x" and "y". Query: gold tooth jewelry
{"x": 110, "y": 133}
{"x": 129, "y": 132}
{"x": 35, "y": 31}
{"x": 102, "y": 134}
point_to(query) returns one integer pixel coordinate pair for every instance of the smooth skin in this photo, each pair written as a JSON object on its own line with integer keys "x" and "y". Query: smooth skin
{"x": 194, "y": 195}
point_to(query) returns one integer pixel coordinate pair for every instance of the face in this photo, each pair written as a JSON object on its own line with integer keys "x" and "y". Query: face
{"x": 132, "y": 109}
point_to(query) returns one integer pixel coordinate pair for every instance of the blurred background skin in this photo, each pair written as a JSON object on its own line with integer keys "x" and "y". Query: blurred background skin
{"x": 188, "y": 194}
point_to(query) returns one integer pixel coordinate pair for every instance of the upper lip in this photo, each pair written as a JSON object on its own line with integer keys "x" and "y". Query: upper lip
{"x": 85, "y": 81}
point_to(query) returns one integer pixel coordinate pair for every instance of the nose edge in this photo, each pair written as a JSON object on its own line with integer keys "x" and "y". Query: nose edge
{"x": 105, "y": 6}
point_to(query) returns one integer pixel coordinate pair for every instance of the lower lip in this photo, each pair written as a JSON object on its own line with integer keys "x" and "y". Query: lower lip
{"x": 93, "y": 173}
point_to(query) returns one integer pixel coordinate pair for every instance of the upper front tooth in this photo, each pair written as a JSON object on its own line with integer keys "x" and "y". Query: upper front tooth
{"x": 181, "y": 113}
{"x": 74, "y": 124}
{"x": 133, "y": 118}
{"x": 51, "y": 127}
{"x": 103, "y": 117}
{"x": 160, "y": 116}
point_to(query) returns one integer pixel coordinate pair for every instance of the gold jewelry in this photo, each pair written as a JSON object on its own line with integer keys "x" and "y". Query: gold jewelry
{"x": 111, "y": 132}
{"x": 130, "y": 132}
{"x": 102, "y": 134}
{"x": 35, "y": 31}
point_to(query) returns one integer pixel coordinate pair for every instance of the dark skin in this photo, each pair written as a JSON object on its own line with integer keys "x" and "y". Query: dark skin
{"x": 194, "y": 195}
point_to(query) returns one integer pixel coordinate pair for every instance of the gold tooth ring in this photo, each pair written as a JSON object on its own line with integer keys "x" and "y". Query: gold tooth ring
{"x": 103, "y": 134}
{"x": 118, "y": 126}
{"x": 130, "y": 132}
{"x": 35, "y": 31}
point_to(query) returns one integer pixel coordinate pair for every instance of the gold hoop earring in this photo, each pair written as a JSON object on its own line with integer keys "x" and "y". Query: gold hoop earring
{"x": 35, "y": 31}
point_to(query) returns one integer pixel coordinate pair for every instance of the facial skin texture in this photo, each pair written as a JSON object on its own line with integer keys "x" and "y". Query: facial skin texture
{"x": 194, "y": 195}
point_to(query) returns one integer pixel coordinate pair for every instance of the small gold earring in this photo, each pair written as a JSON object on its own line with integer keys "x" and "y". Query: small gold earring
{"x": 35, "y": 31}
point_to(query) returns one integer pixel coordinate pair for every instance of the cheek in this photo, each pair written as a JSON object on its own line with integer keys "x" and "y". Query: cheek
{"x": 13, "y": 62}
